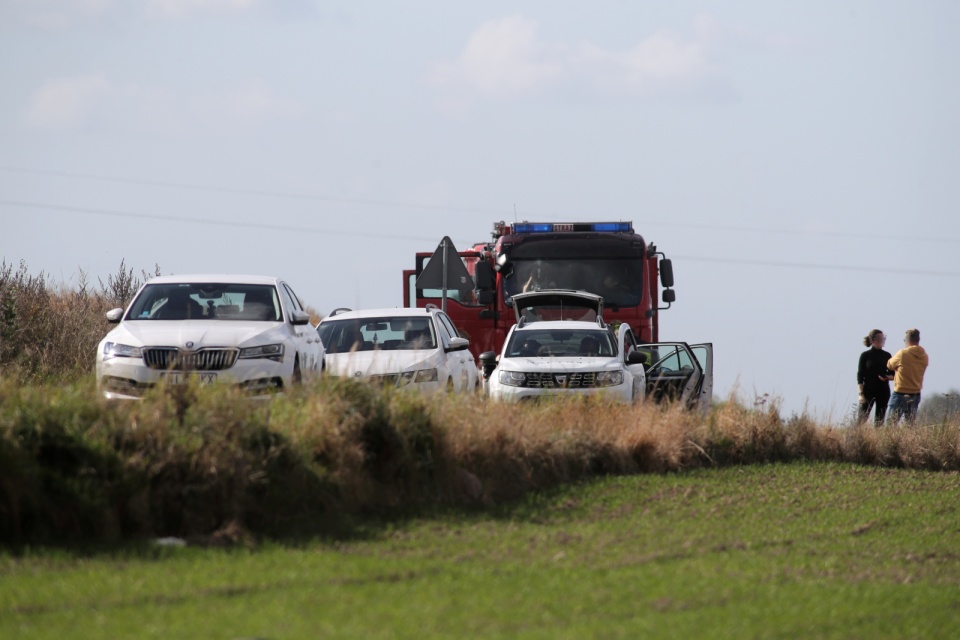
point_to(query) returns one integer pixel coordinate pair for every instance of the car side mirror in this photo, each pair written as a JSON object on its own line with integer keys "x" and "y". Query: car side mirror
{"x": 488, "y": 362}
{"x": 298, "y": 317}
{"x": 114, "y": 315}
{"x": 457, "y": 344}
{"x": 637, "y": 357}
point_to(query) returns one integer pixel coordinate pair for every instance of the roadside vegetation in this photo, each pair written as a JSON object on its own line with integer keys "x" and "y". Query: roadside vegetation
{"x": 210, "y": 464}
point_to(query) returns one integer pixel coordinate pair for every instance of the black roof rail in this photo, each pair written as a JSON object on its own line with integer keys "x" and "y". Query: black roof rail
{"x": 338, "y": 310}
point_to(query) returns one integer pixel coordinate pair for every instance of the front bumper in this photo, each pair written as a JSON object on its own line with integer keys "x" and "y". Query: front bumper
{"x": 618, "y": 393}
{"x": 131, "y": 378}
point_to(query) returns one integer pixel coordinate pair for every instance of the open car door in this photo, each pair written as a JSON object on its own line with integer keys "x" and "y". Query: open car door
{"x": 675, "y": 374}
{"x": 634, "y": 361}
{"x": 704, "y": 355}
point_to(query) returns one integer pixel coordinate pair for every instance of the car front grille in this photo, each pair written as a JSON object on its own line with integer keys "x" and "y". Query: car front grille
{"x": 578, "y": 380}
{"x": 171, "y": 359}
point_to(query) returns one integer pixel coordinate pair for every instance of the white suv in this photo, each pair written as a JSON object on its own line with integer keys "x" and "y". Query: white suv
{"x": 410, "y": 347}
{"x": 562, "y": 346}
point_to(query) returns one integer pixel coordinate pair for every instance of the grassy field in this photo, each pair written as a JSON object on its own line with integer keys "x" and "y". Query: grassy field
{"x": 773, "y": 551}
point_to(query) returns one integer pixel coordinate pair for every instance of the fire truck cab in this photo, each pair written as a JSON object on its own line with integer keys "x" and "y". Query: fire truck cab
{"x": 605, "y": 258}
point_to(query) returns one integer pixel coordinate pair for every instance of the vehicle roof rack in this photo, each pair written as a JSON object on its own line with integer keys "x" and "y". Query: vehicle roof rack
{"x": 432, "y": 307}
{"x": 339, "y": 310}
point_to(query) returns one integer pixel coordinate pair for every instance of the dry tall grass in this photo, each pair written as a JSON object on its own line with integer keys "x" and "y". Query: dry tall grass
{"x": 48, "y": 331}
{"x": 197, "y": 461}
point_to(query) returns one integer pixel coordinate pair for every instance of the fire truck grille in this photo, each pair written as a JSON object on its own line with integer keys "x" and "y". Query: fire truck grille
{"x": 170, "y": 359}
{"x": 578, "y": 380}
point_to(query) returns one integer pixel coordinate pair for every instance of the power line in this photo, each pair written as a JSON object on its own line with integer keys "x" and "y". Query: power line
{"x": 455, "y": 209}
{"x": 812, "y": 265}
{"x": 209, "y": 221}
{"x": 369, "y": 235}
{"x": 254, "y": 192}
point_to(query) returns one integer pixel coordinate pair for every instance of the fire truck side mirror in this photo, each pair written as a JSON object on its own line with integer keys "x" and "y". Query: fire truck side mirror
{"x": 485, "y": 297}
{"x": 484, "y": 276}
{"x": 669, "y": 296}
{"x": 666, "y": 273}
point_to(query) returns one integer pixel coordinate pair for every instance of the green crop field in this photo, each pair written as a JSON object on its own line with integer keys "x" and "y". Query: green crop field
{"x": 771, "y": 551}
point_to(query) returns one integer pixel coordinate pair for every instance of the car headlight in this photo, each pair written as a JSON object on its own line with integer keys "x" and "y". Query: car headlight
{"x": 269, "y": 351}
{"x": 418, "y": 376}
{"x": 512, "y": 378}
{"x": 117, "y": 350}
{"x": 609, "y": 378}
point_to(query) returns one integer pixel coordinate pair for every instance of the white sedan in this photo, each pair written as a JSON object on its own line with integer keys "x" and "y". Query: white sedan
{"x": 410, "y": 348}
{"x": 251, "y": 331}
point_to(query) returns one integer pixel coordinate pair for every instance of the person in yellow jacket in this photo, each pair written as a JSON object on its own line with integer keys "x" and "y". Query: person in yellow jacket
{"x": 908, "y": 366}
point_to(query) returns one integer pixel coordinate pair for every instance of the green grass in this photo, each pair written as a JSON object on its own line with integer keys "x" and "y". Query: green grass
{"x": 781, "y": 551}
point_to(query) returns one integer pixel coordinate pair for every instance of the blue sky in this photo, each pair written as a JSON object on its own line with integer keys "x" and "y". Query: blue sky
{"x": 797, "y": 161}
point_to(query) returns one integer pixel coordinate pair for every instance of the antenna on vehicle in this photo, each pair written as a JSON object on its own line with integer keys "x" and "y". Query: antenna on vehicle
{"x": 514, "y": 212}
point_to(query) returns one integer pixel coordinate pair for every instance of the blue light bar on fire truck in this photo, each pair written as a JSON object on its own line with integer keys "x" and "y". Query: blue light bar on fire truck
{"x": 553, "y": 227}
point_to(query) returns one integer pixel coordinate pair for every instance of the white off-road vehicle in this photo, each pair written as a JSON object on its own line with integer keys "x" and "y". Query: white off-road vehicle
{"x": 561, "y": 346}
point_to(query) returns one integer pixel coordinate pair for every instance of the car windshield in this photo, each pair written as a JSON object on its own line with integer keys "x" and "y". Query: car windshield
{"x": 207, "y": 301}
{"x": 556, "y": 343}
{"x": 367, "y": 334}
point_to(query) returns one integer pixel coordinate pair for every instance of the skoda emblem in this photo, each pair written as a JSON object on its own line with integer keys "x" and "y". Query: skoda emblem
{"x": 189, "y": 344}
{"x": 358, "y": 374}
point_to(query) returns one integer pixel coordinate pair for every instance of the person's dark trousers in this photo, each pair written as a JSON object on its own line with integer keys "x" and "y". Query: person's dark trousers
{"x": 878, "y": 399}
{"x": 904, "y": 405}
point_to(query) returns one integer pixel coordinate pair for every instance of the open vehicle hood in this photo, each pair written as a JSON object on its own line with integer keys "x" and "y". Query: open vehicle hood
{"x": 558, "y": 304}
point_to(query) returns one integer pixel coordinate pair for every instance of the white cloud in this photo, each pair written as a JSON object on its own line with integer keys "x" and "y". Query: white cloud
{"x": 507, "y": 59}
{"x": 189, "y": 8}
{"x": 503, "y": 58}
{"x": 53, "y": 15}
{"x": 94, "y": 102}
{"x": 662, "y": 63}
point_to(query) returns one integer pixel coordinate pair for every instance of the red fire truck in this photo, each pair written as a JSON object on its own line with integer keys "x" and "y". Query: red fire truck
{"x": 606, "y": 258}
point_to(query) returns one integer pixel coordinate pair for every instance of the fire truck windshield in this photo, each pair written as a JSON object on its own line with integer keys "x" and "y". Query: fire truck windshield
{"x": 618, "y": 280}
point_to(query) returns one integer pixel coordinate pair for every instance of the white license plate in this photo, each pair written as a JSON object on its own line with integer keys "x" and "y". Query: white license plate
{"x": 180, "y": 377}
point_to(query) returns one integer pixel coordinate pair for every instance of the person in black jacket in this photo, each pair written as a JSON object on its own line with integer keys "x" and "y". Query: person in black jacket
{"x": 873, "y": 377}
